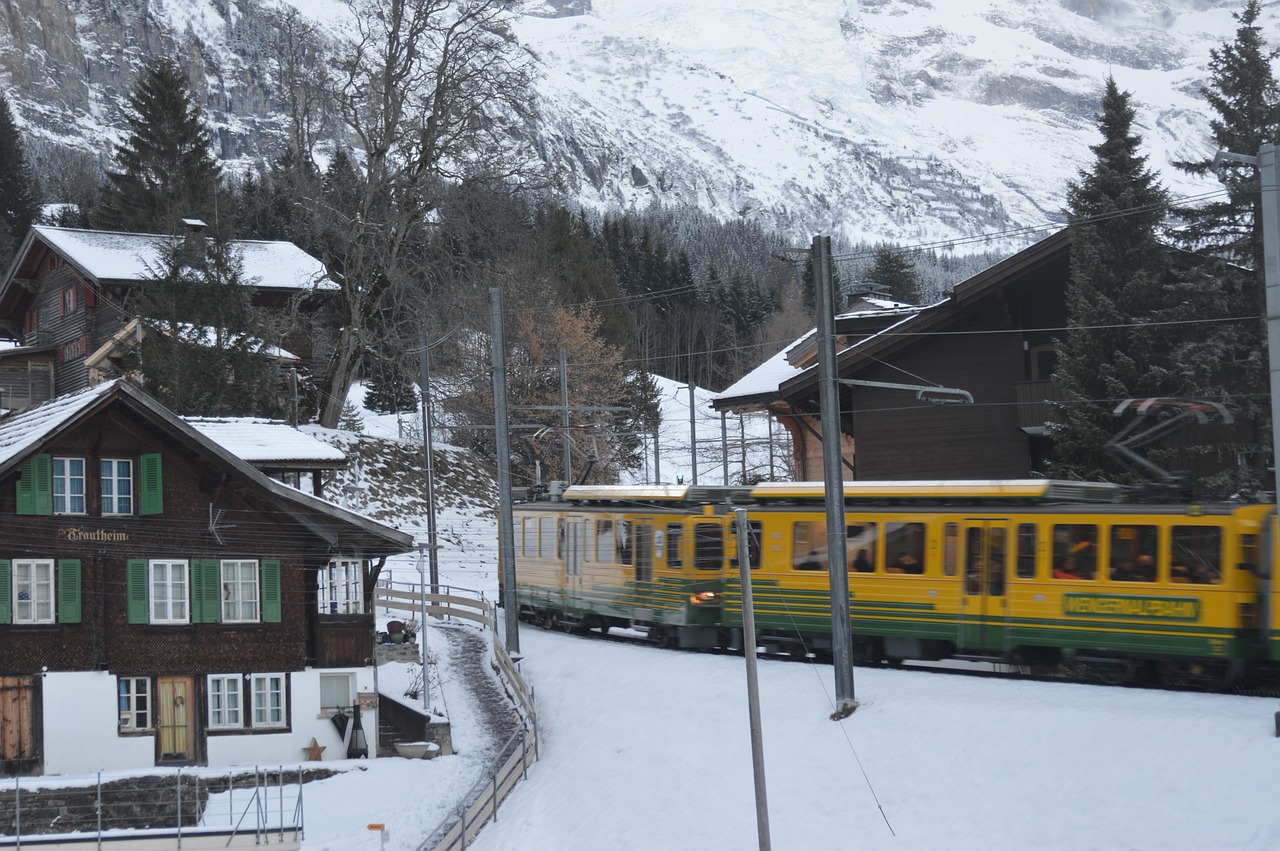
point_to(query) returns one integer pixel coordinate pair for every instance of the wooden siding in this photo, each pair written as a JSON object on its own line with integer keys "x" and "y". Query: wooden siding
{"x": 25, "y": 382}
{"x": 899, "y": 437}
{"x": 249, "y": 528}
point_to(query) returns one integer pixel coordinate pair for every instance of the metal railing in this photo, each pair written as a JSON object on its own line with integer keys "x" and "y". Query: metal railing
{"x": 520, "y": 751}
{"x": 242, "y": 810}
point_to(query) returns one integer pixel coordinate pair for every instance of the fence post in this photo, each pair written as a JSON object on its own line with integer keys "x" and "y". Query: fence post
{"x": 17, "y": 809}
{"x": 462, "y": 823}
{"x": 99, "y": 809}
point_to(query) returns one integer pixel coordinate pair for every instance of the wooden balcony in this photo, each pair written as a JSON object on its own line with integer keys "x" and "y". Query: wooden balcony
{"x": 1033, "y": 399}
{"x": 343, "y": 641}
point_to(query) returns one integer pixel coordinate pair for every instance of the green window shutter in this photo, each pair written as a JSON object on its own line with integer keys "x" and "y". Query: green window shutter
{"x": 139, "y": 608}
{"x": 6, "y": 589}
{"x": 69, "y": 590}
{"x": 206, "y": 590}
{"x": 35, "y": 488}
{"x": 152, "y": 485}
{"x": 271, "y": 591}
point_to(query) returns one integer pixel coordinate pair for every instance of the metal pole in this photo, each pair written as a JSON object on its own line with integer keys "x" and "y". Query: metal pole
{"x": 657, "y": 459}
{"x": 506, "y": 526}
{"x": 564, "y": 415}
{"x": 829, "y": 399}
{"x": 422, "y": 632}
{"x": 724, "y": 447}
{"x": 693, "y": 432}
{"x": 1271, "y": 266}
{"x": 753, "y": 683}
{"x": 428, "y": 440}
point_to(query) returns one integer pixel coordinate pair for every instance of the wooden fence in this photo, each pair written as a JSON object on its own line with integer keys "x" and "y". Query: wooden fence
{"x": 520, "y": 751}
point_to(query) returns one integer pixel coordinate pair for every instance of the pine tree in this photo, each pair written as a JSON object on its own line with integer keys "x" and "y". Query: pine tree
{"x": 391, "y": 389}
{"x": 1117, "y": 267}
{"x": 165, "y": 170}
{"x": 206, "y": 350}
{"x": 19, "y": 188}
{"x": 1227, "y": 360}
{"x": 893, "y": 270}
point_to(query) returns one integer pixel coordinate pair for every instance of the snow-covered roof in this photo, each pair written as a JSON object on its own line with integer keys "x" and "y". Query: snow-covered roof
{"x": 765, "y": 378}
{"x": 21, "y": 432}
{"x": 262, "y": 442}
{"x": 112, "y": 256}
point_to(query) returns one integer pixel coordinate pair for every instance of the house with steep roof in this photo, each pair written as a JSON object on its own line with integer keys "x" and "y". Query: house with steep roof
{"x": 64, "y": 301}
{"x": 164, "y": 602}
{"x": 993, "y": 337}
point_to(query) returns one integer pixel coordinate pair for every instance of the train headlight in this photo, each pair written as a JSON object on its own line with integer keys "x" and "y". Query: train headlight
{"x": 705, "y": 598}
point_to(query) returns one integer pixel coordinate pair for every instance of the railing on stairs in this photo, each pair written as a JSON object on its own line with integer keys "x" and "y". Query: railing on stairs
{"x": 520, "y": 751}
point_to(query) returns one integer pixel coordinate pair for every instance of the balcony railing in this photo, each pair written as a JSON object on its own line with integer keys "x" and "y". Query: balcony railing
{"x": 1033, "y": 399}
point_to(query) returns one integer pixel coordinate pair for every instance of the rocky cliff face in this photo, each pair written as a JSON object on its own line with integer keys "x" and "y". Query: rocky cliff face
{"x": 913, "y": 120}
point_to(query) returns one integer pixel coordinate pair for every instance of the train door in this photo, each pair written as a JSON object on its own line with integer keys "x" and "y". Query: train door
{"x": 644, "y": 592}
{"x": 575, "y": 545}
{"x": 983, "y": 603}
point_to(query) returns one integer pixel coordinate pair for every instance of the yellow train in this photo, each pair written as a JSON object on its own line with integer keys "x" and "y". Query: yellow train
{"x": 1033, "y": 572}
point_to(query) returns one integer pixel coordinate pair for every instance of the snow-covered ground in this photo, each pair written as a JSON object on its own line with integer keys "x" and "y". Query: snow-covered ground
{"x": 643, "y": 748}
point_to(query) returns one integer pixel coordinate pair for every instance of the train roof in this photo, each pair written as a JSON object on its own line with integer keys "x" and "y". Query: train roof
{"x": 661, "y": 494}
{"x": 984, "y": 490}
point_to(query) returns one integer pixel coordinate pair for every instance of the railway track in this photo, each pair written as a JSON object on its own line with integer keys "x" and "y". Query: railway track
{"x": 1082, "y": 675}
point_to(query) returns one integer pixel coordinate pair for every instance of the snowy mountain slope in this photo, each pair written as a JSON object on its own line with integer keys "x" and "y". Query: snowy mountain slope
{"x": 900, "y": 119}
{"x": 911, "y": 120}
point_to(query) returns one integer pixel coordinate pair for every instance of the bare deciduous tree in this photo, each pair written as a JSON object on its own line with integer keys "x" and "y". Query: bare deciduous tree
{"x": 430, "y": 91}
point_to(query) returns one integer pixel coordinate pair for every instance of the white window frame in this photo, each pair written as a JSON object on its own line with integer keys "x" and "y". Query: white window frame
{"x": 32, "y": 592}
{"x": 68, "y": 488}
{"x": 117, "y": 472}
{"x": 226, "y": 701}
{"x": 241, "y": 594}
{"x": 169, "y": 590}
{"x": 341, "y": 589}
{"x": 130, "y": 691}
{"x": 268, "y": 695}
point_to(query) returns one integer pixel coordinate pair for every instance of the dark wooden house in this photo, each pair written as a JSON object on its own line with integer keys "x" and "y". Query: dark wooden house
{"x": 164, "y": 602}
{"x": 63, "y": 302}
{"x": 993, "y": 337}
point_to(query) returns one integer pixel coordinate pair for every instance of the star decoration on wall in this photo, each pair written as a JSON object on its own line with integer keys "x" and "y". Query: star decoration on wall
{"x": 314, "y": 750}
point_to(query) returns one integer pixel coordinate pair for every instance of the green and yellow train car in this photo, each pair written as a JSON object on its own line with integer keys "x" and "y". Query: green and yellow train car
{"x": 1030, "y": 572}
{"x": 648, "y": 557}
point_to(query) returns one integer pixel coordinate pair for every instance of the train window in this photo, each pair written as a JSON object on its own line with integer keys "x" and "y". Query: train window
{"x": 1133, "y": 553}
{"x": 950, "y": 539}
{"x": 622, "y": 542}
{"x": 998, "y": 556}
{"x": 1026, "y": 568}
{"x": 1075, "y": 551}
{"x": 547, "y": 538}
{"x": 675, "y": 559}
{"x": 1196, "y": 554}
{"x": 604, "y": 542}
{"x": 904, "y": 547}
{"x": 708, "y": 546}
{"x": 860, "y": 547}
{"x": 804, "y": 546}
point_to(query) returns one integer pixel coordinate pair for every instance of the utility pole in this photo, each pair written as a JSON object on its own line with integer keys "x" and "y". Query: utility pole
{"x": 565, "y": 440}
{"x": 693, "y": 430}
{"x": 429, "y": 460}
{"x": 833, "y": 479}
{"x": 502, "y": 439}
{"x": 753, "y": 681}
{"x": 724, "y": 447}
{"x": 1268, "y": 173}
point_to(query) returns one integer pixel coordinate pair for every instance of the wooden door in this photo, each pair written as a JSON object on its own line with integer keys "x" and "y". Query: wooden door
{"x": 18, "y": 741}
{"x": 176, "y": 712}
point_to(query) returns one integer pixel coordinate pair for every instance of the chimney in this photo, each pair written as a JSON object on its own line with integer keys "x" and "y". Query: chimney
{"x": 195, "y": 230}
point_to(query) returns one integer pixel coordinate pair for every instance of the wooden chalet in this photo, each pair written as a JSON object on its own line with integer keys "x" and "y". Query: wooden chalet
{"x": 993, "y": 338}
{"x": 62, "y": 302}
{"x": 163, "y": 602}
